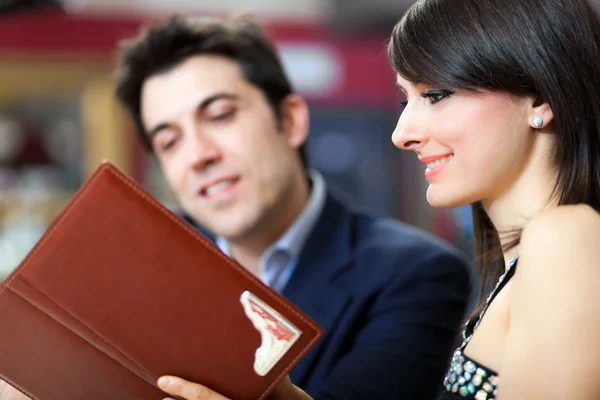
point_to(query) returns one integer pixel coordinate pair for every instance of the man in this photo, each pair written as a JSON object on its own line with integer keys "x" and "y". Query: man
{"x": 211, "y": 100}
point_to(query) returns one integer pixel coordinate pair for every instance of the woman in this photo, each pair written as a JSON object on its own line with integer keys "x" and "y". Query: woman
{"x": 504, "y": 108}
{"x": 503, "y": 105}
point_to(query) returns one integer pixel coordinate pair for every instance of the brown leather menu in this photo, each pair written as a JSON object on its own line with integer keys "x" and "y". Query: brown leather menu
{"x": 120, "y": 291}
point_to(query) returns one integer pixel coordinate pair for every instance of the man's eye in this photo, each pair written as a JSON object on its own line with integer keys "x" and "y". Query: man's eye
{"x": 167, "y": 145}
{"x": 223, "y": 116}
{"x": 165, "y": 140}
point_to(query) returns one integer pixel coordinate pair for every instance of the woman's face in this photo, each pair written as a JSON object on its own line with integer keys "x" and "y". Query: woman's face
{"x": 474, "y": 144}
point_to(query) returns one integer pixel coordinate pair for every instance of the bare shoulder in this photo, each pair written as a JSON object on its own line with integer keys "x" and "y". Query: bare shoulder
{"x": 564, "y": 228}
{"x": 560, "y": 250}
{"x": 555, "y": 302}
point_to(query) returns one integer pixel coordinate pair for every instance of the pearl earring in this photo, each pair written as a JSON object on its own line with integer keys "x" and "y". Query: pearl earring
{"x": 537, "y": 122}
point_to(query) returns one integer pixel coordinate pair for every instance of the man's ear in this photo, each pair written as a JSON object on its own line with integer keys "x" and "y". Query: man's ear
{"x": 294, "y": 120}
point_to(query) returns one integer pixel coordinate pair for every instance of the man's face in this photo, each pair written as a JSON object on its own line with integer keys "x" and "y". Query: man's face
{"x": 232, "y": 166}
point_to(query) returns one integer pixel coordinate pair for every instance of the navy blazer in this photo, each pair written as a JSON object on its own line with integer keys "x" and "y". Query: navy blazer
{"x": 391, "y": 300}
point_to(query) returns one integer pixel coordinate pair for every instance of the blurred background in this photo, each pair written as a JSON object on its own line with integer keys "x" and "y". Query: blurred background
{"x": 58, "y": 117}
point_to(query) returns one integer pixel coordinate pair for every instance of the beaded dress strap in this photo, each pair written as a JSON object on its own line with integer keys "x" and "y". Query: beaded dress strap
{"x": 471, "y": 325}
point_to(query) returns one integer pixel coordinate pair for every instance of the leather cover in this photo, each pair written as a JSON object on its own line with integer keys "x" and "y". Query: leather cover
{"x": 120, "y": 291}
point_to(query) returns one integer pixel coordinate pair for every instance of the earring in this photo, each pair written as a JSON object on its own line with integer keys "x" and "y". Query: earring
{"x": 537, "y": 122}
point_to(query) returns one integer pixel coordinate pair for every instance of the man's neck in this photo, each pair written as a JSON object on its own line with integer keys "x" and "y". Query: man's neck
{"x": 249, "y": 249}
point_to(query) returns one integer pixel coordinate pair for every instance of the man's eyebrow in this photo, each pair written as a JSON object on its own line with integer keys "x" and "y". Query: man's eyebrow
{"x": 154, "y": 131}
{"x": 201, "y": 106}
{"x": 218, "y": 96}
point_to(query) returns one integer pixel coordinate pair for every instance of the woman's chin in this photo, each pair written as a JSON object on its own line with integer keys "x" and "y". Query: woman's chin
{"x": 442, "y": 199}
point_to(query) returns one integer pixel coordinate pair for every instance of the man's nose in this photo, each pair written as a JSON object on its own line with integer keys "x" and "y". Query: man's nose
{"x": 201, "y": 150}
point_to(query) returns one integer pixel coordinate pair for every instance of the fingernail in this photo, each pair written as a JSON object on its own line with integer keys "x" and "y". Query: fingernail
{"x": 164, "y": 382}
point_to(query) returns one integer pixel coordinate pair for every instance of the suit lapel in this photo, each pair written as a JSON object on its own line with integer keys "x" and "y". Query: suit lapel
{"x": 326, "y": 255}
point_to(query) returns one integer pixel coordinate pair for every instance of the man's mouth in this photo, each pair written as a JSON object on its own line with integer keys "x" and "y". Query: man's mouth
{"x": 218, "y": 187}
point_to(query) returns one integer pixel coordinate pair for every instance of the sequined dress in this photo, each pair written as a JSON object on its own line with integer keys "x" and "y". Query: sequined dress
{"x": 466, "y": 378}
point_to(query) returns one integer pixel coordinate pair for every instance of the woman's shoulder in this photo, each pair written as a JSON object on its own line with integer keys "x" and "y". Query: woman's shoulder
{"x": 555, "y": 303}
{"x": 561, "y": 245}
{"x": 563, "y": 226}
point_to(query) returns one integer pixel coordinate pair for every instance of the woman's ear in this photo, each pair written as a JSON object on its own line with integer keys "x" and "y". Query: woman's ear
{"x": 540, "y": 115}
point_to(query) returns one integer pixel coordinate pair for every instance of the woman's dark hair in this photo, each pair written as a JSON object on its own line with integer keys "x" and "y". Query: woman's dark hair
{"x": 546, "y": 48}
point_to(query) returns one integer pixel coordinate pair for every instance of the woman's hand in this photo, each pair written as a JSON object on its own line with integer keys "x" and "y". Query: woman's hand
{"x": 285, "y": 390}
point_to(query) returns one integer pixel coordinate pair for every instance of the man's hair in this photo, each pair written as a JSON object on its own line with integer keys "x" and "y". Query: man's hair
{"x": 161, "y": 47}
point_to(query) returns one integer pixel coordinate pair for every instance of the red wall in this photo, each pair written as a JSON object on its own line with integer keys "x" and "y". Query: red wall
{"x": 366, "y": 78}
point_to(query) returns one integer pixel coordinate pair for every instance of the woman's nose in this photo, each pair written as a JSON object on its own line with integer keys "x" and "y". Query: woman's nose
{"x": 409, "y": 134}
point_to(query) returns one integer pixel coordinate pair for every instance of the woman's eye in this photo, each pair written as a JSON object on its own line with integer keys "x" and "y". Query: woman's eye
{"x": 436, "y": 96}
